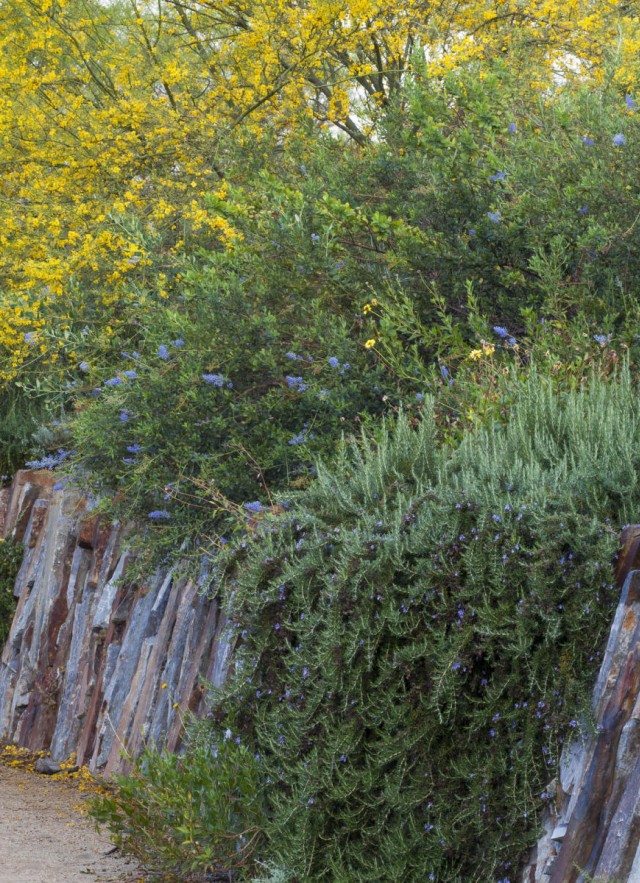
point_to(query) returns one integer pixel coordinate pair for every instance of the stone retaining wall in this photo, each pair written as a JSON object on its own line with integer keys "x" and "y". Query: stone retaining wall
{"x": 93, "y": 664}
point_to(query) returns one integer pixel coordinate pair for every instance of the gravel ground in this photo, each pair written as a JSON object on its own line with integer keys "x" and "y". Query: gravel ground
{"x": 46, "y": 837}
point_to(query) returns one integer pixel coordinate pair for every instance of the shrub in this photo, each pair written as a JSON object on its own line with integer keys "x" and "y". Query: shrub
{"x": 418, "y": 637}
{"x": 223, "y": 404}
{"x": 188, "y": 816}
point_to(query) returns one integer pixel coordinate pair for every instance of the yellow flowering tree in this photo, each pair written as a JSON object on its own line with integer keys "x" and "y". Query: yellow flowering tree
{"x": 120, "y": 125}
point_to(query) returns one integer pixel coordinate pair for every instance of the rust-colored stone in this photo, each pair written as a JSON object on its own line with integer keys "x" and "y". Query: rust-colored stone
{"x": 87, "y": 531}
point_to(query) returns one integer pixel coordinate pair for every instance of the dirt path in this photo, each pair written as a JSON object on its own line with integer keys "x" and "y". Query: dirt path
{"x": 46, "y": 838}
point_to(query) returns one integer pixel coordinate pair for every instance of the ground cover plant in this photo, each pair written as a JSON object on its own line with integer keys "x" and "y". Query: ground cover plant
{"x": 417, "y": 638}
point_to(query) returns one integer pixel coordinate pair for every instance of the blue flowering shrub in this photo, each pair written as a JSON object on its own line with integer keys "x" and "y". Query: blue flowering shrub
{"x": 417, "y": 636}
{"x": 220, "y": 405}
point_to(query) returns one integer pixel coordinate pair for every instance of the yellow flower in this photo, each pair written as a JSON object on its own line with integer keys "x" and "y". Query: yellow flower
{"x": 489, "y": 349}
{"x": 374, "y": 302}
{"x": 366, "y": 308}
{"x": 369, "y": 344}
{"x": 475, "y": 355}
{"x": 164, "y": 686}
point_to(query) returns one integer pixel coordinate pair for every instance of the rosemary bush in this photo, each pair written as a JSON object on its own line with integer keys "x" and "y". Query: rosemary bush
{"x": 418, "y": 637}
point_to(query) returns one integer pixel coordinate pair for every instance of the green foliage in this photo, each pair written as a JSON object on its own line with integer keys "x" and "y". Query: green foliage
{"x": 10, "y": 558}
{"x": 339, "y": 245}
{"x": 187, "y": 816}
{"x": 419, "y": 634}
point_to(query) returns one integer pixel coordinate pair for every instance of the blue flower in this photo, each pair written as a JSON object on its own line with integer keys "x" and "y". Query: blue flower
{"x": 472, "y": 231}
{"x": 588, "y": 142}
{"x": 159, "y": 514}
{"x": 501, "y": 331}
{"x": 315, "y": 237}
{"x": 293, "y": 357}
{"x": 84, "y": 366}
{"x": 130, "y": 375}
{"x": 513, "y": 128}
{"x": 256, "y": 506}
{"x": 215, "y": 379}
{"x": 512, "y": 341}
{"x": 125, "y": 415}
{"x": 602, "y": 339}
{"x": 630, "y": 102}
{"x": 494, "y": 217}
{"x": 134, "y": 448}
{"x": 113, "y": 381}
{"x": 163, "y": 352}
{"x": 29, "y": 337}
{"x": 296, "y": 383}
{"x": 619, "y": 140}
{"x": 419, "y": 396}
{"x": 335, "y": 363}
{"x": 583, "y": 209}
{"x": 178, "y": 343}
{"x": 499, "y": 176}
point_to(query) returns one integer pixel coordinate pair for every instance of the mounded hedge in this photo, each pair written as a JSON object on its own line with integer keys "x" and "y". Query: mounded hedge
{"x": 419, "y": 636}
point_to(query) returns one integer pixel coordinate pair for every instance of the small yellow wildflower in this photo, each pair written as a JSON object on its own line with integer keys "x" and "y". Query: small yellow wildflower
{"x": 488, "y": 349}
{"x": 369, "y": 344}
{"x": 374, "y": 302}
{"x": 474, "y": 355}
{"x": 366, "y": 308}
{"x": 164, "y": 686}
